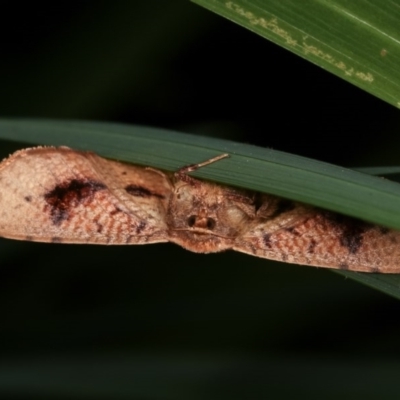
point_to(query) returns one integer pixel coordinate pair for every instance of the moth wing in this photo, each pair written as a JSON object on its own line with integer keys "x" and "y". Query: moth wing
{"x": 314, "y": 237}
{"x": 63, "y": 195}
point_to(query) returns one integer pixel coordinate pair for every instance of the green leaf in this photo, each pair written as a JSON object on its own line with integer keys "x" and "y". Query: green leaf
{"x": 389, "y": 284}
{"x": 358, "y": 41}
{"x": 380, "y": 171}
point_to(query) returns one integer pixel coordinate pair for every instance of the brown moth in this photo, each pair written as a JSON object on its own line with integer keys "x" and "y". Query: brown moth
{"x": 67, "y": 196}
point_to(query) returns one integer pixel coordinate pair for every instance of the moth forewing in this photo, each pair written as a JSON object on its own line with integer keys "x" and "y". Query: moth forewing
{"x": 63, "y": 195}
{"x": 311, "y": 236}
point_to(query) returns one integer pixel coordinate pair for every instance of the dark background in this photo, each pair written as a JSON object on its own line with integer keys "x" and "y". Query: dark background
{"x": 157, "y": 321}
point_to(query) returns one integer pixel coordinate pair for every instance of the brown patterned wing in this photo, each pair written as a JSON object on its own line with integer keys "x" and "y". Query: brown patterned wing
{"x": 309, "y": 236}
{"x": 62, "y": 195}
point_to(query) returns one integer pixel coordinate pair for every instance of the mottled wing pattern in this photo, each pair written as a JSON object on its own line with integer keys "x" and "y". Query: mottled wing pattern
{"x": 62, "y": 195}
{"x": 305, "y": 235}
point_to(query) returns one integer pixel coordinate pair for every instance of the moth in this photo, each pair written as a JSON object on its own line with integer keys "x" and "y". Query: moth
{"x": 62, "y": 195}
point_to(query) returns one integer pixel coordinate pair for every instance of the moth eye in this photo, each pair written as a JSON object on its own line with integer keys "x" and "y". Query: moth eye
{"x": 210, "y": 223}
{"x": 191, "y": 220}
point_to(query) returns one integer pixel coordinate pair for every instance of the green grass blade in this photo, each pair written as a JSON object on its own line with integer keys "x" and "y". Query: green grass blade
{"x": 389, "y": 284}
{"x": 380, "y": 171}
{"x": 287, "y": 175}
{"x": 358, "y": 41}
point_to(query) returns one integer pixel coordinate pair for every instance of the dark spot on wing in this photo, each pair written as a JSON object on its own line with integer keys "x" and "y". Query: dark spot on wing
{"x": 140, "y": 227}
{"x": 352, "y": 238}
{"x": 115, "y": 211}
{"x": 311, "y": 246}
{"x": 99, "y": 226}
{"x": 350, "y": 230}
{"x": 344, "y": 266}
{"x": 28, "y": 198}
{"x": 67, "y": 195}
{"x": 267, "y": 240}
{"x": 292, "y": 230}
{"x": 56, "y": 239}
{"x": 140, "y": 191}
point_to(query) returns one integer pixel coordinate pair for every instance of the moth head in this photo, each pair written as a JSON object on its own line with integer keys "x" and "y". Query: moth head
{"x": 206, "y": 218}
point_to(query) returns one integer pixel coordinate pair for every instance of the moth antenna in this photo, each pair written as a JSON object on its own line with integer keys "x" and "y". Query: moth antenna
{"x": 192, "y": 167}
{"x": 182, "y": 173}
